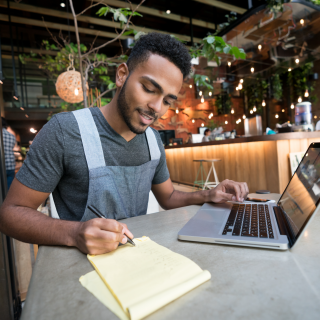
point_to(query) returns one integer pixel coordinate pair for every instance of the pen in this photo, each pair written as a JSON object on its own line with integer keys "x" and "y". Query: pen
{"x": 98, "y": 213}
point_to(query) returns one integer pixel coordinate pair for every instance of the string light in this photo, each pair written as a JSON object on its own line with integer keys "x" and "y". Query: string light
{"x": 62, "y": 5}
{"x": 232, "y": 111}
{"x": 252, "y": 69}
{"x": 254, "y": 109}
{"x": 277, "y": 116}
{"x": 263, "y": 103}
{"x": 202, "y": 100}
{"x": 251, "y": 111}
{"x": 239, "y": 120}
{"x": 315, "y": 117}
{"x": 177, "y": 110}
{"x": 241, "y": 80}
{"x": 76, "y": 91}
{"x": 190, "y": 86}
{"x": 211, "y": 114}
{"x": 306, "y": 94}
{"x": 282, "y": 110}
{"x": 259, "y": 47}
{"x": 240, "y": 86}
{"x": 226, "y": 122}
{"x": 33, "y": 130}
{"x": 237, "y": 88}
{"x": 200, "y": 93}
{"x": 302, "y": 22}
{"x": 168, "y": 11}
{"x": 292, "y": 106}
{"x": 193, "y": 121}
{"x": 229, "y": 64}
{"x": 299, "y": 99}
{"x": 202, "y": 124}
{"x": 244, "y": 116}
{"x": 210, "y": 93}
{"x": 297, "y": 61}
{"x": 289, "y": 70}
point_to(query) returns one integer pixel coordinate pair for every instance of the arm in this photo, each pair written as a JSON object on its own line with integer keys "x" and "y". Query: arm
{"x": 20, "y": 219}
{"x": 227, "y": 190}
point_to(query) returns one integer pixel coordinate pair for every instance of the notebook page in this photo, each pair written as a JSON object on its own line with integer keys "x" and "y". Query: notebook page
{"x": 148, "y": 273}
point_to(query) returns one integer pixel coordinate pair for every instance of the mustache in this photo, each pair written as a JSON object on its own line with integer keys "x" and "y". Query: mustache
{"x": 148, "y": 113}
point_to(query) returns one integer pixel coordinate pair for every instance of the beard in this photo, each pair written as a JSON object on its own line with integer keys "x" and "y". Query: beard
{"x": 126, "y": 113}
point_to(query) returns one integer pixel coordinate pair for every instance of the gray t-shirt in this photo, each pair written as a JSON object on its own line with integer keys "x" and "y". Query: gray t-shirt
{"x": 56, "y": 161}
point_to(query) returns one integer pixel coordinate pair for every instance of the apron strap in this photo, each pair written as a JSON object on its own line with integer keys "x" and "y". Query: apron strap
{"x": 153, "y": 144}
{"x": 90, "y": 138}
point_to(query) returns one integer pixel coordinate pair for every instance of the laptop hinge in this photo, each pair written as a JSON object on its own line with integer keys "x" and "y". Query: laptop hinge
{"x": 284, "y": 228}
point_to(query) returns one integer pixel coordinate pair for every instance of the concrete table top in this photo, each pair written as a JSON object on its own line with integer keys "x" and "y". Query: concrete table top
{"x": 246, "y": 283}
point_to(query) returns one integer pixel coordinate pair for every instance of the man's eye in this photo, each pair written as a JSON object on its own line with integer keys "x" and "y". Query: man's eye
{"x": 167, "y": 103}
{"x": 147, "y": 90}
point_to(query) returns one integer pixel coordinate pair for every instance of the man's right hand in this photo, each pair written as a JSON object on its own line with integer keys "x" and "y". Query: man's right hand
{"x": 98, "y": 236}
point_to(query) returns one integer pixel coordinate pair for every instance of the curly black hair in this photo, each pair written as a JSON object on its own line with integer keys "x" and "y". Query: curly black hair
{"x": 164, "y": 45}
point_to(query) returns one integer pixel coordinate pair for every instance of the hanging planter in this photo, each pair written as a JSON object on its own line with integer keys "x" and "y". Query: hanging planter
{"x": 68, "y": 85}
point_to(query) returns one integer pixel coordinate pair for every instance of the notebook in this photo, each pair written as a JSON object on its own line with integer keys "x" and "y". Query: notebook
{"x": 133, "y": 282}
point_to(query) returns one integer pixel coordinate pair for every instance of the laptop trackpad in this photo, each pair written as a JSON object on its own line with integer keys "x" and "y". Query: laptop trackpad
{"x": 208, "y": 220}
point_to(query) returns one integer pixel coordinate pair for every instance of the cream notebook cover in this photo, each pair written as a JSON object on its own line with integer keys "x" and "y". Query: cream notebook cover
{"x": 137, "y": 281}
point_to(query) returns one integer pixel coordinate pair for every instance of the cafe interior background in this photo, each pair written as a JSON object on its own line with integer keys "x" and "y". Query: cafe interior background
{"x": 254, "y": 83}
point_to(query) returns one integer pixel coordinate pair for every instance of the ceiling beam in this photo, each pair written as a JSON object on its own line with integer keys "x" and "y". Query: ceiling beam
{"x": 223, "y": 5}
{"x": 87, "y": 19}
{"x": 160, "y": 14}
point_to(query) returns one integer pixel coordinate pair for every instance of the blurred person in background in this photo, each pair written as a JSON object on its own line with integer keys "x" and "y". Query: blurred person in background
{"x": 189, "y": 140}
{"x": 9, "y": 142}
{"x": 206, "y": 137}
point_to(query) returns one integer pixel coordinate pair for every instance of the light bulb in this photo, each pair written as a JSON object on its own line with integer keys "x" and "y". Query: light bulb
{"x": 226, "y": 122}
{"x": 76, "y": 91}
{"x": 251, "y": 111}
{"x": 244, "y": 116}
{"x": 259, "y": 47}
{"x": 282, "y": 110}
{"x": 193, "y": 121}
{"x": 232, "y": 111}
{"x": 239, "y": 120}
{"x": 62, "y": 5}
{"x": 190, "y": 86}
{"x": 241, "y": 80}
{"x": 252, "y": 69}
{"x": 302, "y": 22}
{"x": 210, "y": 93}
{"x": 263, "y": 103}
{"x": 289, "y": 69}
{"x": 229, "y": 64}
{"x": 237, "y": 88}
{"x": 254, "y": 109}
{"x": 202, "y": 100}
{"x": 177, "y": 110}
{"x": 31, "y": 129}
{"x": 297, "y": 61}
{"x": 202, "y": 124}
{"x": 292, "y": 106}
{"x": 211, "y": 114}
{"x": 240, "y": 86}
{"x": 306, "y": 94}
{"x": 315, "y": 117}
{"x": 200, "y": 93}
{"x": 299, "y": 99}
{"x": 277, "y": 116}
{"x": 168, "y": 11}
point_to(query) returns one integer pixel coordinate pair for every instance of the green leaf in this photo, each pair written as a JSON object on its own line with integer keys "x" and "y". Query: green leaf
{"x": 122, "y": 18}
{"x": 137, "y": 14}
{"x": 128, "y": 32}
{"x": 226, "y": 49}
{"x": 210, "y": 39}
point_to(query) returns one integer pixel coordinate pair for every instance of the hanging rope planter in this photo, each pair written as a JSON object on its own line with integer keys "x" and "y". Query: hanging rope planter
{"x": 68, "y": 85}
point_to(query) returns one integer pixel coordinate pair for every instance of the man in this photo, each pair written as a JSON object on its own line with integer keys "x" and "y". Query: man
{"x": 9, "y": 142}
{"x": 107, "y": 157}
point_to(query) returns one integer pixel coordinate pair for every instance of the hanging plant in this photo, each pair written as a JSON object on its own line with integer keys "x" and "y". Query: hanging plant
{"x": 223, "y": 103}
{"x": 276, "y": 86}
{"x": 256, "y": 92}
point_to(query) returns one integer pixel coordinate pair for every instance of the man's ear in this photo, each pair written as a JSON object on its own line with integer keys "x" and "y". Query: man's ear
{"x": 122, "y": 75}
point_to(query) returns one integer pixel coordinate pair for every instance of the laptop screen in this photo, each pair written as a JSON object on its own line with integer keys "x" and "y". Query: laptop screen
{"x": 300, "y": 199}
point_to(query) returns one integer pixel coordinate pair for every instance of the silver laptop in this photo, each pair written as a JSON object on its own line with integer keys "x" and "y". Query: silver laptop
{"x": 264, "y": 225}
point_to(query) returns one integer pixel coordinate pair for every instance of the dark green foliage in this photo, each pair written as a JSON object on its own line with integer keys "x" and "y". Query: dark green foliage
{"x": 223, "y": 103}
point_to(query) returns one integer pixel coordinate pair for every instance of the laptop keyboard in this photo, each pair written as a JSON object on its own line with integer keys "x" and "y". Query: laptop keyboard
{"x": 249, "y": 220}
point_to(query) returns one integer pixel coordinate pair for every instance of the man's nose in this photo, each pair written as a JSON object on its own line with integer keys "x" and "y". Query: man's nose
{"x": 155, "y": 105}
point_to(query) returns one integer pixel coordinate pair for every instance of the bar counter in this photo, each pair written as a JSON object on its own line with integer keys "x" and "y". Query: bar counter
{"x": 261, "y": 161}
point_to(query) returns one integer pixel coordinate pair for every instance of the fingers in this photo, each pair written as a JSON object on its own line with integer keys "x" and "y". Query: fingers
{"x": 126, "y": 230}
{"x": 239, "y": 189}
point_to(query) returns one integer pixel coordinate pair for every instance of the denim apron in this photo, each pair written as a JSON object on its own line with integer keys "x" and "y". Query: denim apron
{"x": 118, "y": 192}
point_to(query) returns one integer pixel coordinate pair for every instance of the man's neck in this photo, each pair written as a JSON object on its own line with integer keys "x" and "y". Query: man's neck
{"x": 115, "y": 120}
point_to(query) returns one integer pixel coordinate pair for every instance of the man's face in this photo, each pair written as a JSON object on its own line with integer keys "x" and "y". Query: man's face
{"x": 148, "y": 92}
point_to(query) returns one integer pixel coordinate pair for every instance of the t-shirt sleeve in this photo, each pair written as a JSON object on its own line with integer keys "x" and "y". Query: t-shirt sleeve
{"x": 162, "y": 172}
{"x": 43, "y": 167}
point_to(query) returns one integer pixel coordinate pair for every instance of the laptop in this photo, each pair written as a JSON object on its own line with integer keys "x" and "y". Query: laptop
{"x": 264, "y": 225}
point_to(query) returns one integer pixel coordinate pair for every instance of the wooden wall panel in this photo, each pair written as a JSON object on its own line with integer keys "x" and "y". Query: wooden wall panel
{"x": 283, "y": 148}
{"x": 271, "y": 166}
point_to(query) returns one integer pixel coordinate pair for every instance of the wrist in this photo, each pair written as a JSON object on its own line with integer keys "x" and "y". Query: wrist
{"x": 206, "y": 195}
{"x": 72, "y": 234}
